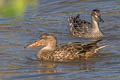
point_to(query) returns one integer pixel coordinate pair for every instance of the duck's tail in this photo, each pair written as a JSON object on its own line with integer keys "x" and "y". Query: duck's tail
{"x": 96, "y": 41}
{"x": 100, "y": 47}
{"x": 94, "y": 45}
{"x": 91, "y": 48}
{"x": 74, "y": 19}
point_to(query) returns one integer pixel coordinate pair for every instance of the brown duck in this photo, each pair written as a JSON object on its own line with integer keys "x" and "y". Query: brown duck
{"x": 63, "y": 52}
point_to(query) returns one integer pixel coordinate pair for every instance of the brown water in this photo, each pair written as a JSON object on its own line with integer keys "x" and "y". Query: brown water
{"x": 51, "y": 16}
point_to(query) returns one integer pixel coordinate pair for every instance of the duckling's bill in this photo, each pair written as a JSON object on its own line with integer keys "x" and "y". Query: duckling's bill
{"x": 34, "y": 44}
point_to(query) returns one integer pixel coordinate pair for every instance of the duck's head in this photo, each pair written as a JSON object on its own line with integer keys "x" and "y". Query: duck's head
{"x": 97, "y": 15}
{"x": 46, "y": 40}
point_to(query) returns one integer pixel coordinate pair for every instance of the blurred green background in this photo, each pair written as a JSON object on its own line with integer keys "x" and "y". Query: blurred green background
{"x": 13, "y": 8}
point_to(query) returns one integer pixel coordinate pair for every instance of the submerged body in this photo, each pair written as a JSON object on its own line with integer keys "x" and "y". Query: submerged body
{"x": 84, "y": 29}
{"x": 64, "y": 52}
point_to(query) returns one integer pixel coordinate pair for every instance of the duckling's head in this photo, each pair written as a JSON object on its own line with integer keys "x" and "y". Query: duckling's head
{"x": 97, "y": 15}
{"x": 46, "y": 40}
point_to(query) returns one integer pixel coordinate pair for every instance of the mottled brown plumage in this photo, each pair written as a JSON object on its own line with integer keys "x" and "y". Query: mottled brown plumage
{"x": 84, "y": 29}
{"x": 63, "y": 52}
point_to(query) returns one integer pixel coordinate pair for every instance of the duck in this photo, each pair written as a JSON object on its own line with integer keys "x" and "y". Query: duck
{"x": 84, "y": 29}
{"x": 63, "y": 52}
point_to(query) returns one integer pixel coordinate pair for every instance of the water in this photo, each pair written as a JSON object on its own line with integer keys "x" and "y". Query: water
{"x": 51, "y": 16}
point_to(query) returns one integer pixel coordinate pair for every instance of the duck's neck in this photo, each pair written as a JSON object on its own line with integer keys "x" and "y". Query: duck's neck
{"x": 95, "y": 25}
{"x": 49, "y": 47}
{"x": 45, "y": 52}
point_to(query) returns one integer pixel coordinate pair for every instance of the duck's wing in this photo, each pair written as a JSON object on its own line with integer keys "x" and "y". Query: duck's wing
{"x": 79, "y": 27}
{"x": 75, "y": 50}
{"x": 75, "y": 46}
{"x": 66, "y": 52}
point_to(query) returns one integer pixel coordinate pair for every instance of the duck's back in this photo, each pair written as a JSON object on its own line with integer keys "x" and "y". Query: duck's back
{"x": 79, "y": 28}
{"x": 63, "y": 52}
{"x": 73, "y": 51}
{"x": 67, "y": 51}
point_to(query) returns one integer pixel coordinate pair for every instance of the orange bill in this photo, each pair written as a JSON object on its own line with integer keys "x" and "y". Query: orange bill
{"x": 34, "y": 44}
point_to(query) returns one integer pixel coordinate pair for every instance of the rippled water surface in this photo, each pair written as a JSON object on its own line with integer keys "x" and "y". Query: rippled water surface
{"x": 51, "y": 16}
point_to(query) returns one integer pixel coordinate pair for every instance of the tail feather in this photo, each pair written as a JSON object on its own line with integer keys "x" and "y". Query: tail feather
{"x": 96, "y": 41}
{"x": 93, "y": 42}
{"x": 92, "y": 45}
{"x": 100, "y": 47}
{"x": 74, "y": 19}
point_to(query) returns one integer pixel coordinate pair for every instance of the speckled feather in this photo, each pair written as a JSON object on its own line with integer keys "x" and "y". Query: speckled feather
{"x": 69, "y": 51}
{"x": 78, "y": 27}
{"x": 82, "y": 28}
{"x": 63, "y": 52}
